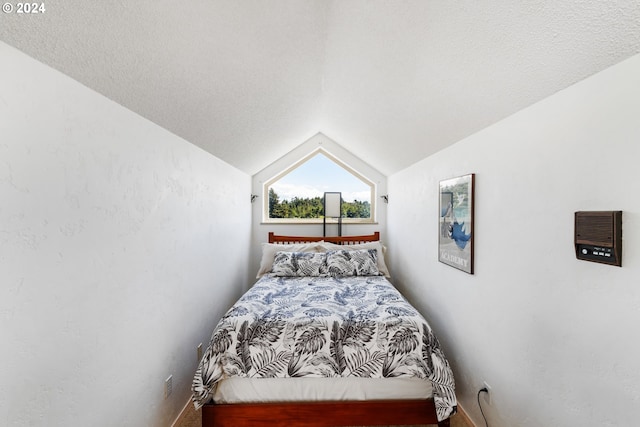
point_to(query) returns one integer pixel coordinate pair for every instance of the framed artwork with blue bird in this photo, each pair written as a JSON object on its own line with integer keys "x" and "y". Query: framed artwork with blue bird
{"x": 455, "y": 240}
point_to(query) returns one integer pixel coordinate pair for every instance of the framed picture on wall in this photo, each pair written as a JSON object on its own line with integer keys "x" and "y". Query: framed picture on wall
{"x": 455, "y": 240}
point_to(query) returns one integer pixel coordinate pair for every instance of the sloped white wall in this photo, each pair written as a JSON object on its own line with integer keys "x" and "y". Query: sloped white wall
{"x": 555, "y": 337}
{"x": 121, "y": 245}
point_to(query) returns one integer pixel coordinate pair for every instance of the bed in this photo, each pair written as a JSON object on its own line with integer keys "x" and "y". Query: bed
{"x": 323, "y": 339}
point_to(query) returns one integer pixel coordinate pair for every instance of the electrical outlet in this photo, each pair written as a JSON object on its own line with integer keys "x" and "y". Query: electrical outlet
{"x": 487, "y": 395}
{"x": 199, "y": 352}
{"x": 168, "y": 386}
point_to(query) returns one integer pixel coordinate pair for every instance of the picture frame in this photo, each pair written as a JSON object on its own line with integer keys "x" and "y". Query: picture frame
{"x": 456, "y": 232}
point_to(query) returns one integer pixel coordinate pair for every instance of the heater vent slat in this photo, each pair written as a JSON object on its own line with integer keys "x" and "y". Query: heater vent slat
{"x": 595, "y": 229}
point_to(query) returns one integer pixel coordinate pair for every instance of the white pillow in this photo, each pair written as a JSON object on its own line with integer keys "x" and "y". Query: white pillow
{"x": 382, "y": 266}
{"x": 269, "y": 253}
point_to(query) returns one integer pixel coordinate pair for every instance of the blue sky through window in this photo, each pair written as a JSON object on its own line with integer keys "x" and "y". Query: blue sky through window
{"x": 318, "y": 175}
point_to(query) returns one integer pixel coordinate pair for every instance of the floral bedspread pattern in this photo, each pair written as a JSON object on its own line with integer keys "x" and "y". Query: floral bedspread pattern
{"x": 324, "y": 327}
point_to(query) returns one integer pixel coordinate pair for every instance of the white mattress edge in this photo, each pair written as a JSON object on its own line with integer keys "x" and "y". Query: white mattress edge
{"x": 248, "y": 390}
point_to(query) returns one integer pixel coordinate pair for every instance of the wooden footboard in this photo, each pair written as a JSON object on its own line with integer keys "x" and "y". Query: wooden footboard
{"x": 322, "y": 414}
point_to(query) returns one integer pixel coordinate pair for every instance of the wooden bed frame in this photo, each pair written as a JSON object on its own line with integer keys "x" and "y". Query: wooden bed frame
{"x": 322, "y": 414}
{"x": 340, "y": 240}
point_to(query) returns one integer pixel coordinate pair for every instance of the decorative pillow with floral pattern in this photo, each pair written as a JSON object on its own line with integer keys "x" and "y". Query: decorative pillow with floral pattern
{"x": 299, "y": 264}
{"x": 361, "y": 262}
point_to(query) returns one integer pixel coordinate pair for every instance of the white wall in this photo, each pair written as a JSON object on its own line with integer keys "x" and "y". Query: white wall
{"x": 318, "y": 141}
{"x": 121, "y": 245}
{"x": 555, "y": 337}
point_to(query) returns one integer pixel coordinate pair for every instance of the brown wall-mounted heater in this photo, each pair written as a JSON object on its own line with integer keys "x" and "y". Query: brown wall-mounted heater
{"x": 598, "y": 236}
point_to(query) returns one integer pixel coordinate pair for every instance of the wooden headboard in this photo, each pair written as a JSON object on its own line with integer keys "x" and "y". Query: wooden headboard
{"x": 340, "y": 240}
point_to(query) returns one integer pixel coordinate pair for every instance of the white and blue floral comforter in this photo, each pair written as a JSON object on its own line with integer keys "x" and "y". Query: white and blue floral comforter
{"x": 324, "y": 327}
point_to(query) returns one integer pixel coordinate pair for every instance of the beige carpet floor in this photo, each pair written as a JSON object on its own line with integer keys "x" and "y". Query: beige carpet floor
{"x": 192, "y": 418}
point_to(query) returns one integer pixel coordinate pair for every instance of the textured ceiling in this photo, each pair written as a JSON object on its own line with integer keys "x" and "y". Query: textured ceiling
{"x": 391, "y": 81}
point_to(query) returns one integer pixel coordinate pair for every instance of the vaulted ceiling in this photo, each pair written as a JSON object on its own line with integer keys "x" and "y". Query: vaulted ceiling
{"x": 391, "y": 81}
